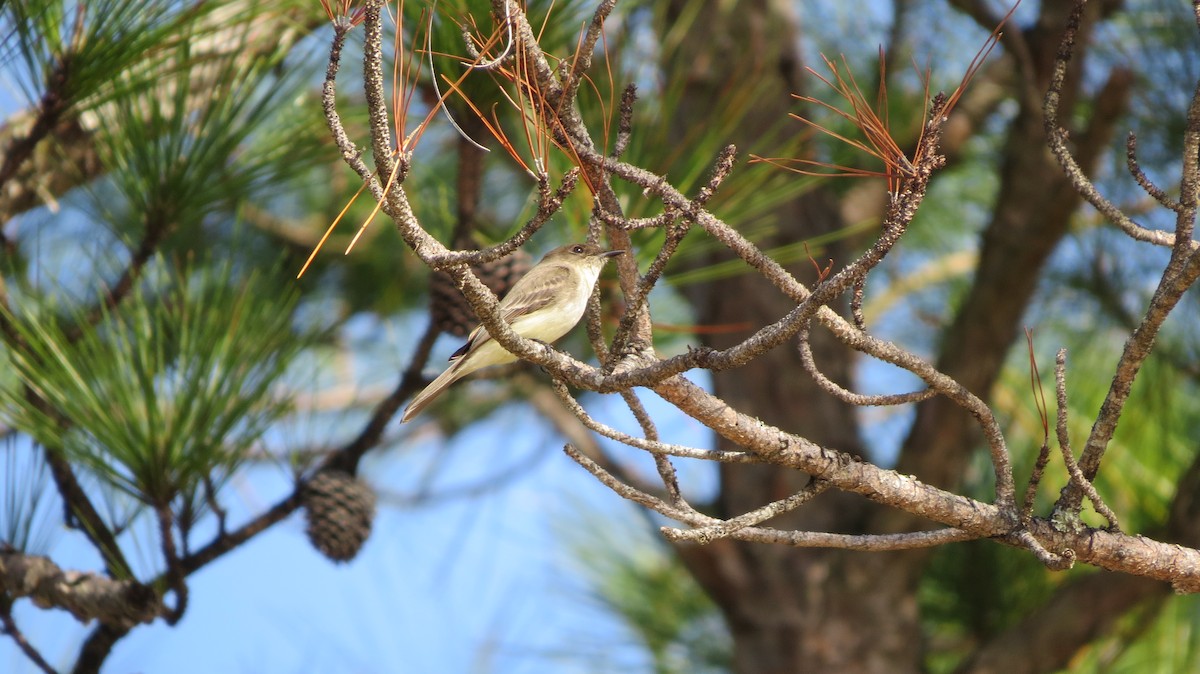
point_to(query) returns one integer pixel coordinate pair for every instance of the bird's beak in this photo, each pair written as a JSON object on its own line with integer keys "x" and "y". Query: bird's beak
{"x": 611, "y": 253}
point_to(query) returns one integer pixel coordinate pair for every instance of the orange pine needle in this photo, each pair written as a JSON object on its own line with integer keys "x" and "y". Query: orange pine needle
{"x": 374, "y": 211}
{"x": 313, "y": 255}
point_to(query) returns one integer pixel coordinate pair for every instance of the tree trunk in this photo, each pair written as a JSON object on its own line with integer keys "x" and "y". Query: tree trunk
{"x": 789, "y": 610}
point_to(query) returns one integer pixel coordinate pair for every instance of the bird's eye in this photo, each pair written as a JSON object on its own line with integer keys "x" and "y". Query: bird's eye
{"x": 578, "y": 250}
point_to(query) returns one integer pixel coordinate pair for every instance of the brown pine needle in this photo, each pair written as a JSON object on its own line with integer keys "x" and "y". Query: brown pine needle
{"x": 842, "y": 171}
{"x": 404, "y": 73}
{"x": 873, "y": 120}
{"x": 492, "y": 127}
{"x": 343, "y": 11}
{"x": 1035, "y": 383}
{"x": 545, "y": 21}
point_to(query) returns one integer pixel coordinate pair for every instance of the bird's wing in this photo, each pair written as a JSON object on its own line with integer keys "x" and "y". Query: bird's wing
{"x": 534, "y": 291}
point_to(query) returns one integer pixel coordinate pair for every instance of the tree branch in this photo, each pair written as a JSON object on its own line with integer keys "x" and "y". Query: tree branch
{"x": 86, "y": 596}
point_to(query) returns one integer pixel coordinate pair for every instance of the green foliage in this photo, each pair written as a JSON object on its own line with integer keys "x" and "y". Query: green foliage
{"x": 27, "y": 520}
{"x": 204, "y": 139}
{"x": 1160, "y": 637}
{"x": 1156, "y": 40}
{"x": 632, "y": 575}
{"x": 973, "y": 591}
{"x": 164, "y": 392}
{"x": 83, "y": 54}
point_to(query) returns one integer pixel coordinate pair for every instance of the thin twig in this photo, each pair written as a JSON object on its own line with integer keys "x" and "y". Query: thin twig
{"x": 861, "y": 542}
{"x": 1035, "y": 479}
{"x": 350, "y": 153}
{"x": 1180, "y": 275}
{"x": 1135, "y": 169}
{"x": 1052, "y": 561}
{"x": 856, "y": 303}
{"x": 726, "y": 528}
{"x": 652, "y": 446}
{"x": 549, "y": 203}
{"x": 623, "y": 339}
{"x": 622, "y": 489}
{"x": 587, "y": 46}
{"x": 666, "y": 471}
{"x": 18, "y": 637}
{"x": 629, "y": 224}
{"x": 1056, "y": 138}
{"x": 345, "y": 459}
{"x": 1039, "y": 466}
{"x": 175, "y": 576}
{"x": 625, "y": 121}
{"x": 804, "y": 345}
{"x": 508, "y": 44}
{"x": 1078, "y": 479}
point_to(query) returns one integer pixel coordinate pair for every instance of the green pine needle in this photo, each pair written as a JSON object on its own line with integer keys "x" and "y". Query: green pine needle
{"x": 171, "y": 389}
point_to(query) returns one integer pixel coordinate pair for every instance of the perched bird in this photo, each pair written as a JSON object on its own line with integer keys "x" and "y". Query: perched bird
{"x": 543, "y": 305}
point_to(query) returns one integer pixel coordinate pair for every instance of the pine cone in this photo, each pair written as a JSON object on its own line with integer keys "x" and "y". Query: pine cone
{"x": 339, "y": 509}
{"x": 451, "y": 312}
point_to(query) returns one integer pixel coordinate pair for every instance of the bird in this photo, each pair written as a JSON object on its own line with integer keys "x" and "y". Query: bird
{"x": 544, "y": 304}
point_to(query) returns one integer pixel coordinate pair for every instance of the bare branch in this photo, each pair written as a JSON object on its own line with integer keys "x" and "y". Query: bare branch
{"x": 350, "y": 153}
{"x": 587, "y": 46}
{"x": 86, "y": 596}
{"x": 833, "y": 388}
{"x": 862, "y": 542}
{"x": 666, "y": 471}
{"x": 550, "y": 403}
{"x": 652, "y": 446}
{"x": 622, "y": 489}
{"x": 625, "y": 121}
{"x": 1181, "y": 273}
{"x": 508, "y": 44}
{"x": 1057, "y": 139}
{"x": 1054, "y": 562}
{"x": 636, "y": 304}
{"x": 1135, "y": 169}
{"x": 174, "y": 574}
{"x": 1189, "y": 180}
{"x": 1078, "y": 479}
{"x": 636, "y": 364}
{"x": 726, "y": 528}
{"x": 1110, "y": 550}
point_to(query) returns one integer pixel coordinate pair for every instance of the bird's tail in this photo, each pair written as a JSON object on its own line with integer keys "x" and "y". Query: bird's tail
{"x": 435, "y": 388}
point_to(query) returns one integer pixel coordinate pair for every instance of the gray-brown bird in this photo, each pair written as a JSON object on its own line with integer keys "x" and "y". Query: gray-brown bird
{"x": 543, "y": 305}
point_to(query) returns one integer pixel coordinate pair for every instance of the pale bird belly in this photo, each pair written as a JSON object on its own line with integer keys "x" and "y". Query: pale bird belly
{"x": 548, "y": 325}
{"x": 542, "y": 325}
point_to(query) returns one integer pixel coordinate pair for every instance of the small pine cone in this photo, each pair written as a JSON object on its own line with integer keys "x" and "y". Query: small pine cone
{"x": 451, "y": 312}
{"x": 339, "y": 509}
